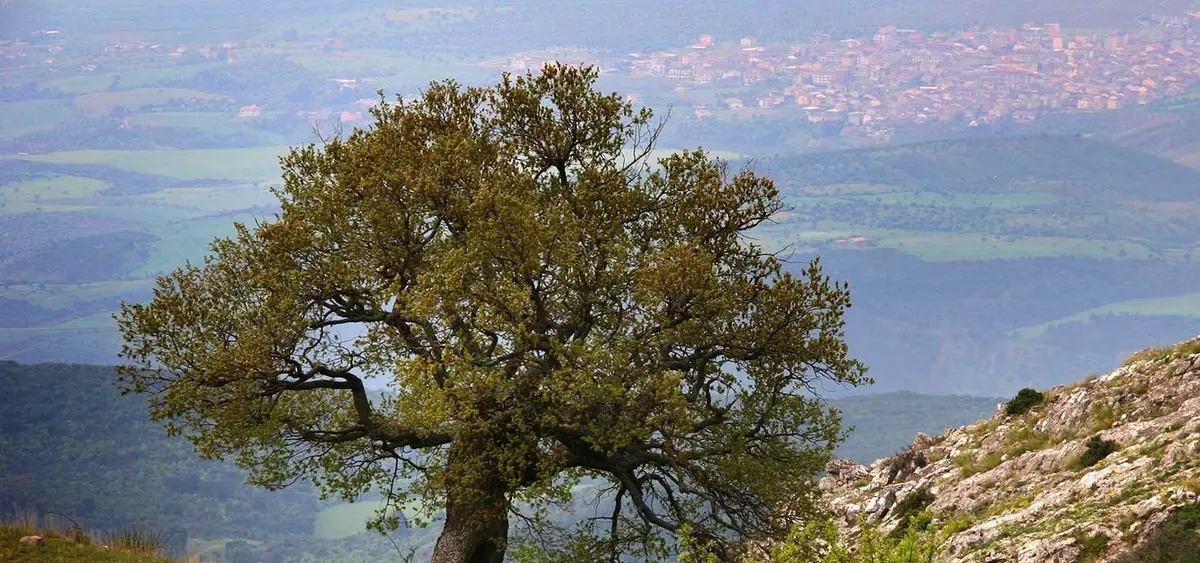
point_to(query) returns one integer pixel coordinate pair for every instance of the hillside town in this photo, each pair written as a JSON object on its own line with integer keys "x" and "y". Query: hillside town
{"x": 976, "y": 76}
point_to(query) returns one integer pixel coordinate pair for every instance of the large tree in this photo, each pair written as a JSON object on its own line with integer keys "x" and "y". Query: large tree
{"x": 544, "y": 304}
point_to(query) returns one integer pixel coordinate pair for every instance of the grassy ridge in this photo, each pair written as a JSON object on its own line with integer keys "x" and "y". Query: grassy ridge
{"x": 62, "y": 541}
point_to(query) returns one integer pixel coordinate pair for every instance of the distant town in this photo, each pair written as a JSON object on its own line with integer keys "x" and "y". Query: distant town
{"x": 866, "y": 85}
{"x": 977, "y": 76}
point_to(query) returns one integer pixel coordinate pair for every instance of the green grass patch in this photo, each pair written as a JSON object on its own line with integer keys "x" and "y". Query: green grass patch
{"x": 1176, "y": 541}
{"x": 233, "y": 198}
{"x": 188, "y": 240}
{"x": 255, "y": 164}
{"x": 22, "y": 118}
{"x": 130, "y": 546}
{"x": 350, "y": 519}
{"x": 931, "y": 199}
{"x": 153, "y": 74}
{"x": 40, "y": 194}
{"x": 1025, "y": 440}
{"x": 1179, "y": 305}
{"x": 971, "y": 466}
{"x": 150, "y": 214}
{"x": 65, "y": 296}
{"x": 938, "y": 247}
{"x": 102, "y": 103}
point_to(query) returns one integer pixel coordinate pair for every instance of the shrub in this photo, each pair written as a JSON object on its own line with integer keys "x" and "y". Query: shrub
{"x": 908, "y": 508}
{"x": 1097, "y": 449}
{"x": 1091, "y": 548}
{"x": 1025, "y": 400}
{"x": 903, "y": 464}
{"x": 1176, "y": 541}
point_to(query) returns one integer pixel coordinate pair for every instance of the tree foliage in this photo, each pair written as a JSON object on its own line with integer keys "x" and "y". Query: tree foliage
{"x": 545, "y": 304}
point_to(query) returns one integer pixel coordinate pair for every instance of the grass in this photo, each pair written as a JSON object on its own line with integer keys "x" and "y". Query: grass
{"x": 66, "y": 296}
{"x": 65, "y": 542}
{"x": 350, "y": 519}
{"x": 945, "y": 247}
{"x": 1104, "y": 416}
{"x": 40, "y": 194}
{"x": 188, "y": 240}
{"x": 939, "y": 247}
{"x": 249, "y": 165}
{"x": 1025, "y": 440}
{"x": 213, "y": 199}
{"x": 969, "y": 466}
{"x": 22, "y": 118}
{"x": 149, "y": 76}
{"x": 101, "y": 103}
{"x": 1178, "y": 305}
{"x": 1004, "y": 506}
{"x": 925, "y": 198}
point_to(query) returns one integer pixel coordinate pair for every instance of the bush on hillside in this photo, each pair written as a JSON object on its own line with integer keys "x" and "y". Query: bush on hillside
{"x": 1025, "y": 400}
{"x": 1176, "y": 541}
{"x": 908, "y": 509}
{"x": 1097, "y": 449}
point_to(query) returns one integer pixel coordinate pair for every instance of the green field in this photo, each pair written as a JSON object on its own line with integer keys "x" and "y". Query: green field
{"x": 146, "y": 77}
{"x": 40, "y": 194}
{"x": 1179, "y": 305}
{"x": 22, "y": 118}
{"x": 188, "y": 240}
{"x": 66, "y": 296}
{"x": 243, "y": 165}
{"x": 935, "y": 199}
{"x": 946, "y": 246}
{"x": 102, "y": 103}
{"x": 350, "y": 519}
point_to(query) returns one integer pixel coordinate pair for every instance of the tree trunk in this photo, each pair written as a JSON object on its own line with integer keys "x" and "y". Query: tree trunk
{"x": 476, "y": 526}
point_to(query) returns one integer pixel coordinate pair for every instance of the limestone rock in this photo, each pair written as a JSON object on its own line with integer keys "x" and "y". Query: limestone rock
{"x": 1020, "y": 476}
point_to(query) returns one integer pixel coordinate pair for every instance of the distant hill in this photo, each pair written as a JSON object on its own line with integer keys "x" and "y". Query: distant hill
{"x": 606, "y": 24}
{"x": 75, "y": 446}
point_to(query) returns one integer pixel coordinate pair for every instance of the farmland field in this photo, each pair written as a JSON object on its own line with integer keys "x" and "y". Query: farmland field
{"x": 21, "y": 118}
{"x": 1185, "y": 305}
{"x": 244, "y": 165}
{"x": 101, "y": 103}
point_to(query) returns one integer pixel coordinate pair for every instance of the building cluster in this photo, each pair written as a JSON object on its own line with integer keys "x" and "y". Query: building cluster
{"x": 975, "y": 76}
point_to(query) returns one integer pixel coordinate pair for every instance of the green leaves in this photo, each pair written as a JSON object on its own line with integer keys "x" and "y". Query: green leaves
{"x": 530, "y": 295}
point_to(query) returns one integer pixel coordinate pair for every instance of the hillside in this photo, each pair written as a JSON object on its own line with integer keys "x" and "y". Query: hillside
{"x": 1107, "y": 470}
{"x": 73, "y": 445}
{"x": 56, "y": 547}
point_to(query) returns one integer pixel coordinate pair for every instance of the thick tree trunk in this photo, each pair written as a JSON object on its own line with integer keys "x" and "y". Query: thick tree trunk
{"x": 476, "y": 526}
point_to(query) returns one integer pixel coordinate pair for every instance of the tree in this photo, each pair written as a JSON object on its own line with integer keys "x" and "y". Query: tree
{"x": 544, "y": 305}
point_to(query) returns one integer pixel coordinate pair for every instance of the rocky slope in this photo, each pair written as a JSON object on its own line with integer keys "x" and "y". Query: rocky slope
{"x": 1030, "y": 487}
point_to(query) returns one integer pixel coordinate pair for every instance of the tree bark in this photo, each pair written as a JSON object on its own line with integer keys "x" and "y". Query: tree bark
{"x": 476, "y": 526}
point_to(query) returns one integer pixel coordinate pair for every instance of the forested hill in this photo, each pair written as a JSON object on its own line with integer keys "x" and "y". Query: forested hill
{"x": 72, "y": 444}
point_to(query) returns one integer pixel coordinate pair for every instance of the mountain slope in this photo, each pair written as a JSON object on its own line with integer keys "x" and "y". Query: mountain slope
{"x": 1104, "y": 470}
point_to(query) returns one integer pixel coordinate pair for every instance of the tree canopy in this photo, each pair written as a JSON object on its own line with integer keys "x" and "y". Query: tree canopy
{"x": 543, "y": 302}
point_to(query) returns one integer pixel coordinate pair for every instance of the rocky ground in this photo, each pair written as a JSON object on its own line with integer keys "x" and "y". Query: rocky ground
{"x": 1024, "y": 481}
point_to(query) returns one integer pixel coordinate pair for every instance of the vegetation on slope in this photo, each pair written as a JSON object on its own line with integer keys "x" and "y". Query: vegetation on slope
{"x": 1103, "y": 468}
{"x": 57, "y": 540}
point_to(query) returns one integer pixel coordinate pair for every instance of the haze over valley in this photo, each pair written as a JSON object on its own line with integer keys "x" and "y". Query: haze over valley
{"x": 1010, "y": 188}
